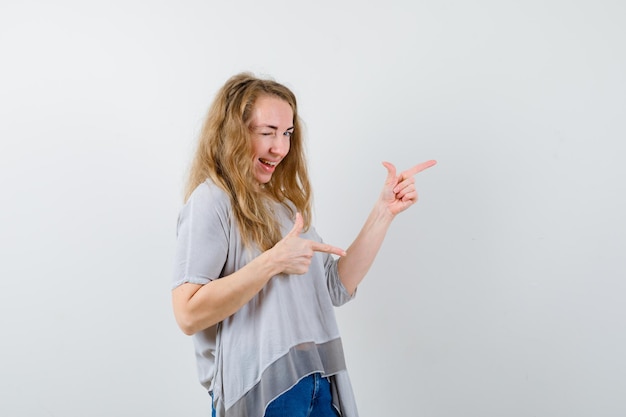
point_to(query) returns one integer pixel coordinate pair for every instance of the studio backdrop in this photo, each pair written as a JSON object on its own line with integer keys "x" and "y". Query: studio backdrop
{"x": 499, "y": 294}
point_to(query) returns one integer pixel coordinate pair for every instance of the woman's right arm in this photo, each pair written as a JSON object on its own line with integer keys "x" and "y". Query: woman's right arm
{"x": 197, "y": 307}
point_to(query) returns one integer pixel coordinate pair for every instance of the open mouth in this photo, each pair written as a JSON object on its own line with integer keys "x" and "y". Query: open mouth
{"x": 268, "y": 163}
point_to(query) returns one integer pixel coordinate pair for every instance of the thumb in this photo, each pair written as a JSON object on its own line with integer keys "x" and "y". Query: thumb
{"x": 298, "y": 224}
{"x": 391, "y": 173}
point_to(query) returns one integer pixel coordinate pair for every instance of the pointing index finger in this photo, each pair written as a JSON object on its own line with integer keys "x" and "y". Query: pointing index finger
{"x": 323, "y": 247}
{"x": 418, "y": 168}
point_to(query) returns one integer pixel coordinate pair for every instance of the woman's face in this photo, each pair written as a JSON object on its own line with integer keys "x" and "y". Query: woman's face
{"x": 271, "y": 126}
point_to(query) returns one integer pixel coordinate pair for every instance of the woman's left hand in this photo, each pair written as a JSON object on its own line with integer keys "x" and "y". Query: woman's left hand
{"x": 399, "y": 192}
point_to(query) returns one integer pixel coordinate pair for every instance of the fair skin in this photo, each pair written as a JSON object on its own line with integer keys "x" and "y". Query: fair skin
{"x": 197, "y": 307}
{"x": 271, "y": 126}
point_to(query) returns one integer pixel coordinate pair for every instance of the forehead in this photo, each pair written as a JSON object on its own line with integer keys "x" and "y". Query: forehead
{"x": 273, "y": 111}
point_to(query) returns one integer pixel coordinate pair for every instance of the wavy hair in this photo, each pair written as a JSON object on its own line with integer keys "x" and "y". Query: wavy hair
{"x": 224, "y": 154}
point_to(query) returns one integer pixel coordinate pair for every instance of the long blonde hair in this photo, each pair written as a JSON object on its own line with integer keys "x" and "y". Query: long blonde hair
{"x": 224, "y": 154}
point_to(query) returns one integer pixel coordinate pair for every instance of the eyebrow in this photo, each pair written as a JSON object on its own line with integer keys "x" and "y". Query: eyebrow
{"x": 274, "y": 127}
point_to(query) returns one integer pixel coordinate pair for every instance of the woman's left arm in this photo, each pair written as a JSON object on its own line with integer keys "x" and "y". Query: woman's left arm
{"x": 398, "y": 194}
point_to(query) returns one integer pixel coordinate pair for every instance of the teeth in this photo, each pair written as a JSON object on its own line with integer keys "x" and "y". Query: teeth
{"x": 268, "y": 162}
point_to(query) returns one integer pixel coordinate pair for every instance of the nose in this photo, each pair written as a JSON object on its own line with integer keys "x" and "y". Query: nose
{"x": 280, "y": 146}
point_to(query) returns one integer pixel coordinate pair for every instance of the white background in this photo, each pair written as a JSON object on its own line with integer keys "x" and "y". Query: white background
{"x": 500, "y": 294}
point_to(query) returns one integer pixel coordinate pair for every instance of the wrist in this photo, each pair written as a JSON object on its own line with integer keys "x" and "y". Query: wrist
{"x": 270, "y": 266}
{"x": 381, "y": 213}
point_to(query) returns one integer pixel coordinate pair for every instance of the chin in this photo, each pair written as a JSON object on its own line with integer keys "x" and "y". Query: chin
{"x": 263, "y": 180}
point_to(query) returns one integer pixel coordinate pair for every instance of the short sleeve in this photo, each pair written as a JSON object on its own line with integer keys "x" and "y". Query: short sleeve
{"x": 339, "y": 295}
{"x": 202, "y": 237}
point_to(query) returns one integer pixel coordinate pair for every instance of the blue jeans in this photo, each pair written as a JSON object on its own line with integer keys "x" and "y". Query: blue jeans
{"x": 310, "y": 397}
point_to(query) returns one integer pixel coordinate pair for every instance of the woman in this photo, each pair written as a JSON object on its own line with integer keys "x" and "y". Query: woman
{"x": 253, "y": 282}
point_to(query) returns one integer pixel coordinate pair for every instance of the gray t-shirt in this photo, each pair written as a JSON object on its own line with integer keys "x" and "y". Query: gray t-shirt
{"x": 286, "y": 332}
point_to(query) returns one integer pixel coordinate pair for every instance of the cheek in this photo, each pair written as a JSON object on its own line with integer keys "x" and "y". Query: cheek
{"x": 257, "y": 146}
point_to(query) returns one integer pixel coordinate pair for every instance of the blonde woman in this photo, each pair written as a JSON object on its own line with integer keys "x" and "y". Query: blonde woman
{"x": 254, "y": 283}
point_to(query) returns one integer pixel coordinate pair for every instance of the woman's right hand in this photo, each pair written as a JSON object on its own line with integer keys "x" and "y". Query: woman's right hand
{"x": 198, "y": 307}
{"x": 293, "y": 254}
